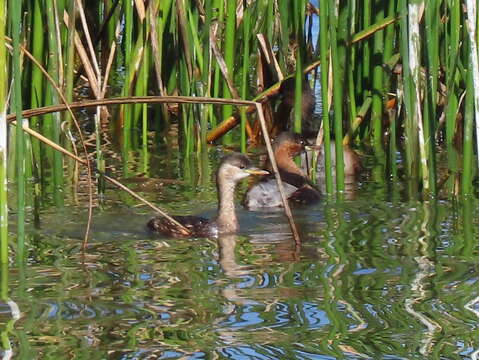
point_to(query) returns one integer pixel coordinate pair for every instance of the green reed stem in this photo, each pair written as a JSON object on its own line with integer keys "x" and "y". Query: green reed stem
{"x": 468, "y": 152}
{"x": 69, "y": 81}
{"x": 366, "y": 53}
{"x": 351, "y": 64}
{"x": 3, "y": 141}
{"x": 15, "y": 8}
{"x": 54, "y": 70}
{"x": 389, "y": 43}
{"x": 145, "y": 79}
{"x": 452, "y": 38}
{"x": 411, "y": 148}
{"x": 298, "y": 18}
{"x": 377, "y": 84}
{"x": 7, "y": 326}
{"x": 452, "y": 52}
{"x": 298, "y": 94}
{"x": 324, "y": 57}
{"x": 207, "y": 115}
{"x": 389, "y": 36}
{"x": 70, "y": 62}
{"x": 165, "y": 7}
{"x": 270, "y": 19}
{"x": 337, "y": 99}
{"x": 432, "y": 45}
{"x": 245, "y": 73}
{"x": 139, "y": 85}
{"x": 37, "y": 92}
{"x": 193, "y": 19}
{"x": 109, "y": 7}
{"x": 284, "y": 10}
{"x": 218, "y": 5}
{"x": 144, "y": 75}
{"x": 128, "y": 41}
{"x": 229, "y": 51}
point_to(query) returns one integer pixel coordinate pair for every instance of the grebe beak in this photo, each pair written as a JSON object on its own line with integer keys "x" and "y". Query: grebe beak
{"x": 256, "y": 171}
{"x": 312, "y": 147}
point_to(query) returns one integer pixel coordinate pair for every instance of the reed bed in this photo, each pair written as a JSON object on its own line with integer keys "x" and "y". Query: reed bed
{"x": 395, "y": 76}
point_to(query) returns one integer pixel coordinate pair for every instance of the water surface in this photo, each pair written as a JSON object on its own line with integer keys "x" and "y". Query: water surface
{"x": 375, "y": 277}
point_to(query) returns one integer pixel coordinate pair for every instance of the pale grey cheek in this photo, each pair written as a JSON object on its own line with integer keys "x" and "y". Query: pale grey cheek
{"x": 241, "y": 176}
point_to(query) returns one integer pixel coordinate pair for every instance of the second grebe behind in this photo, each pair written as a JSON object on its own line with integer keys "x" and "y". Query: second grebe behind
{"x": 298, "y": 188}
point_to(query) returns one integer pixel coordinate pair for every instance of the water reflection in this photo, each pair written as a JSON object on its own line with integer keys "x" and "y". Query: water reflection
{"x": 377, "y": 277}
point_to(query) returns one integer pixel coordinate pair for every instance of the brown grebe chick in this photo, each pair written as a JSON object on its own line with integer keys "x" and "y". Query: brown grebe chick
{"x": 298, "y": 188}
{"x": 232, "y": 169}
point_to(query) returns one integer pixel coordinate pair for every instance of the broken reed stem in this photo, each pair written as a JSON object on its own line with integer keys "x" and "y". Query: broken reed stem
{"x": 113, "y": 181}
{"x": 267, "y": 141}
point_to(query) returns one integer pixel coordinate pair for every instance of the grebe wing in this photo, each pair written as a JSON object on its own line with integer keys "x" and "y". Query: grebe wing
{"x": 195, "y": 224}
{"x": 266, "y": 194}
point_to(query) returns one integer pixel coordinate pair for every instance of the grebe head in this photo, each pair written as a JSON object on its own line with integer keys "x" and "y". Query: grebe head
{"x": 291, "y": 143}
{"x": 235, "y": 167}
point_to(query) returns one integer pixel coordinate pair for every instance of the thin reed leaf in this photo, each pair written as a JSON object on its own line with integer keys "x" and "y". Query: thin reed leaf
{"x": 379, "y": 25}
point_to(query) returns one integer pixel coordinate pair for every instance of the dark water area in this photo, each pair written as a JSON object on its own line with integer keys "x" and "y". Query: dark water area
{"x": 375, "y": 277}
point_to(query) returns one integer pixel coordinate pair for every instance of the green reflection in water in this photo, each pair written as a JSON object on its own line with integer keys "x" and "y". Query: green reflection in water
{"x": 376, "y": 277}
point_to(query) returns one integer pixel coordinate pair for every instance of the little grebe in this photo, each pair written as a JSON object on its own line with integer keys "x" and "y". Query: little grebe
{"x": 297, "y": 186}
{"x": 232, "y": 169}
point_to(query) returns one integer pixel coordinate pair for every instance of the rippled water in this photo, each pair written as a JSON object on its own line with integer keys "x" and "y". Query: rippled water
{"x": 375, "y": 277}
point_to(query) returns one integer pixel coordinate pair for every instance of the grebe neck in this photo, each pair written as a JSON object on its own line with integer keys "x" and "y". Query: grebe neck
{"x": 285, "y": 161}
{"x": 226, "y": 220}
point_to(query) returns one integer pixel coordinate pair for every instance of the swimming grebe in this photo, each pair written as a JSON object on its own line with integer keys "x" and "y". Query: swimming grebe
{"x": 297, "y": 186}
{"x": 232, "y": 169}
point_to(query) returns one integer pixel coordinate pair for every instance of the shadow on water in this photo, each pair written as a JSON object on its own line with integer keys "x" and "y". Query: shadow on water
{"x": 375, "y": 278}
